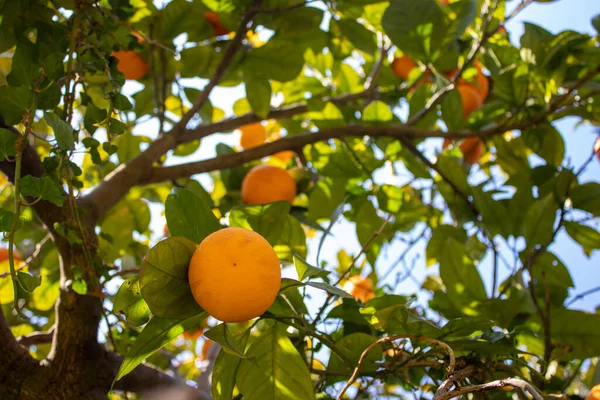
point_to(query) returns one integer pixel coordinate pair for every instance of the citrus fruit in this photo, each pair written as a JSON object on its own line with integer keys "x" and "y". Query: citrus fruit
{"x": 483, "y": 83}
{"x": 359, "y": 287}
{"x": 234, "y": 274}
{"x": 266, "y": 183}
{"x": 401, "y": 66}
{"x": 213, "y": 19}
{"x": 594, "y": 394}
{"x": 285, "y": 156}
{"x": 472, "y": 149}
{"x": 205, "y": 348}
{"x": 471, "y": 100}
{"x": 447, "y": 143}
{"x": 252, "y": 135}
{"x": 131, "y": 64}
{"x": 4, "y": 255}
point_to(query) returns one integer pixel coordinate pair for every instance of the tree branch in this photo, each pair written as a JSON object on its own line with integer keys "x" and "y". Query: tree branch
{"x": 363, "y": 356}
{"x": 296, "y": 143}
{"x": 228, "y": 55}
{"x": 36, "y": 338}
{"x": 510, "y": 382}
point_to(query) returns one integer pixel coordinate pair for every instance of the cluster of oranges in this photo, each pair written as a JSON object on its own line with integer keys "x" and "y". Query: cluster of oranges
{"x": 472, "y": 94}
{"x": 254, "y": 263}
{"x": 134, "y": 67}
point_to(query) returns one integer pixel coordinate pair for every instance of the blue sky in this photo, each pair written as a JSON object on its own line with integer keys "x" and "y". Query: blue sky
{"x": 556, "y": 16}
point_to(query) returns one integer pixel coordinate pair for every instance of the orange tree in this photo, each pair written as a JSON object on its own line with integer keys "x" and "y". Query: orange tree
{"x": 97, "y": 305}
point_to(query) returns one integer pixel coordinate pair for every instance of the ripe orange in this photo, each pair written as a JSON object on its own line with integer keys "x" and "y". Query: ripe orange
{"x": 594, "y": 393}
{"x": 213, "y": 19}
{"x": 483, "y": 82}
{"x": 444, "y": 2}
{"x": 472, "y": 149}
{"x": 131, "y": 64}
{"x": 447, "y": 143}
{"x": 252, "y": 135}
{"x": 205, "y": 348}
{"x": 4, "y": 255}
{"x": 235, "y": 274}
{"x": 359, "y": 287}
{"x": 401, "y": 66}
{"x": 471, "y": 100}
{"x": 285, "y": 156}
{"x": 193, "y": 335}
{"x": 266, "y": 183}
{"x": 597, "y": 148}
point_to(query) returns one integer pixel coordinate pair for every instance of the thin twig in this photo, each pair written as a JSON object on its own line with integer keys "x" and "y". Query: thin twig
{"x": 365, "y": 353}
{"x": 501, "y": 383}
{"x": 228, "y": 55}
{"x": 37, "y": 338}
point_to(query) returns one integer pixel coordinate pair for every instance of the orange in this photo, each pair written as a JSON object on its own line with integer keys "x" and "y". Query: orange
{"x": 359, "y": 287}
{"x": 193, "y": 335}
{"x": 198, "y": 332}
{"x": 471, "y": 100}
{"x": 472, "y": 149}
{"x": 483, "y": 83}
{"x": 131, "y": 64}
{"x": 401, "y": 66}
{"x": 597, "y": 148}
{"x": 213, "y": 19}
{"x": 252, "y": 135}
{"x": 594, "y": 394}
{"x": 285, "y": 156}
{"x": 205, "y": 348}
{"x": 444, "y": 2}
{"x": 4, "y": 255}
{"x": 267, "y": 183}
{"x": 235, "y": 274}
{"x": 447, "y": 143}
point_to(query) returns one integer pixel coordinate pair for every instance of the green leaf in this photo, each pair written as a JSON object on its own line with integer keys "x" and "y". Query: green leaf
{"x": 14, "y": 101}
{"x": 62, "y": 131}
{"x": 452, "y": 110}
{"x": 362, "y": 38}
{"x": 539, "y": 222}
{"x": 164, "y": 279}
{"x": 258, "y": 93}
{"x": 292, "y": 240}
{"x": 367, "y": 223}
{"x": 8, "y": 143}
{"x": 587, "y": 197}
{"x": 223, "y": 376}
{"x": 352, "y": 346}
{"x": 28, "y": 281}
{"x": 494, "y": 213}
{"x": 130, "y": 302}
{"x": 80, "y": 286}
{"x": 390, "y": 314}
{"x": 435, "y": 247}
{"x": 576, "y": 333}
{"x": 279, "y": 60}
{"x": 418, "y": 28}
{"x": 305, "y": 270}
{"x": 377, "y": 113}
{"x": 122, "y": 103}
{"x": 189, "y": 215}
{"x": 44, "y": 188}
{"x": 287, "y": 282}
{"x": 25, "y": 69}
{"x": 156, "y": 334}
{"x": 277, "y": 371}
{"x": 222, "y": 335}
{"x": 7, "y": 220}
{"x": 116, "y": 127}
{"x": 586, "y": 236}
{"x": 460, "y": 276}
{"x": 546, "y": 142}
{"x": 325, "y": 196}
{"x": 267, "y": 220}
